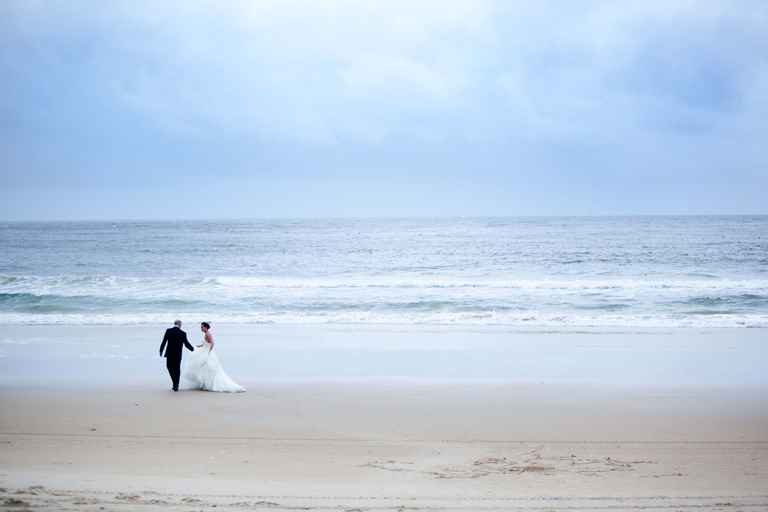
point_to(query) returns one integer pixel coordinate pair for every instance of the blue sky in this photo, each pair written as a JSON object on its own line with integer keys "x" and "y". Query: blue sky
{"x": 300, "y": 108}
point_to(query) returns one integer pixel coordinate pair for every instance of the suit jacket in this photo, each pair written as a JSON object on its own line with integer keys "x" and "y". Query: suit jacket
{"x": 176, "y": 340}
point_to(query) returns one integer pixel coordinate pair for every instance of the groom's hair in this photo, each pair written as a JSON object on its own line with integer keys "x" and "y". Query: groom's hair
{"x": 177, "y": 323}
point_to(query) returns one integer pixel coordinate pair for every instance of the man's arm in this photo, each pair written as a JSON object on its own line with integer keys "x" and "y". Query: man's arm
{"x": 162, "y": 345}
{"x": 186, "y": 343}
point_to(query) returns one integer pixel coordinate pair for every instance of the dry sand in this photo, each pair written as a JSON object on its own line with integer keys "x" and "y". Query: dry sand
{"x": 385, "y": 445}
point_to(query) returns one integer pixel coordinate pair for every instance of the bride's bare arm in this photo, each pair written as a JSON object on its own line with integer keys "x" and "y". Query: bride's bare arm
{"x": 209, "y": 339}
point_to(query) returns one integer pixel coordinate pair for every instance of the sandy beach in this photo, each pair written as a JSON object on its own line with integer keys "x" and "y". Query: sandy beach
{"x": 460, "y": 256}
{"x": 385, "y": 445}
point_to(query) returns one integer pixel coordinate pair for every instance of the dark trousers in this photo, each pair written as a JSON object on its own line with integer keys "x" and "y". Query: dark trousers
{"x": 174, "y": 369}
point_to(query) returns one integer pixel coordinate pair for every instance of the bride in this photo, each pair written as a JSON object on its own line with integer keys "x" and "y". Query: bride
{"x": 203, "y": 369}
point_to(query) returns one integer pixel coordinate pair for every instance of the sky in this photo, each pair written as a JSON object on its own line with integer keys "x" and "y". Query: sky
{"x": 338, "y": 108}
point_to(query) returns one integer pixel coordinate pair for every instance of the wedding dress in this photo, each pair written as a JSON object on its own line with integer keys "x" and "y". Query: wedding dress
{"x": 204, "y": 371}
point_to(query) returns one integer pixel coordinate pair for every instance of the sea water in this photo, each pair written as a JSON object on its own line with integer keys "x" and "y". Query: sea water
{"x": 521, "y": 273}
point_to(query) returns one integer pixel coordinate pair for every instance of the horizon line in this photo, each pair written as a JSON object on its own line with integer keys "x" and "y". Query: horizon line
{"x": 377, "y": 217}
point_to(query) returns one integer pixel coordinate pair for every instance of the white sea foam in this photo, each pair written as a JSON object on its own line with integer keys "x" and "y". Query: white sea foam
{"x": 558, "y": 322}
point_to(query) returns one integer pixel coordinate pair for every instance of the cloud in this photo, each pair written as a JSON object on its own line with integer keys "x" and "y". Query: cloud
{"x": 320, "y": 70}
{"x": 504, "y": 91}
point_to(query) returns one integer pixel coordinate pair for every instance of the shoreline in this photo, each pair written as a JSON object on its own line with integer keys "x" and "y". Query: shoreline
{"x": 123, "y": 355}
{"x": 393, "y": 327}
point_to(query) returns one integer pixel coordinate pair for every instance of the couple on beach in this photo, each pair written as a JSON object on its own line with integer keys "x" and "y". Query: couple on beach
{"x": 203, "y": 369}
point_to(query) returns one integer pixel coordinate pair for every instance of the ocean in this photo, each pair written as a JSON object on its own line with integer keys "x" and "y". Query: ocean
{"x": 555, "y": 273}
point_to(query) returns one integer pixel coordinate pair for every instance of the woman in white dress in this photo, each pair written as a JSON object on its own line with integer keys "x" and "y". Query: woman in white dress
{"x": 203, "y": 369}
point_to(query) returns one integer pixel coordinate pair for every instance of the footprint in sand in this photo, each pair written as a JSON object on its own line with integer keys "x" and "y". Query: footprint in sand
{"x": 15, "y": 502}
{"x": 533, "y": 461}
{"x": 128, "y": 497}
{"x": 191, "y": 501}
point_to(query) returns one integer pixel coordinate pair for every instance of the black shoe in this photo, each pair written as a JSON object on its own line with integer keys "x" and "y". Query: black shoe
{"x": 175, "y": 389}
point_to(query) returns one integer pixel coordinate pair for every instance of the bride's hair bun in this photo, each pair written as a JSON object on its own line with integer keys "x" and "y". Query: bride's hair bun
{"x": 206, "y": 325}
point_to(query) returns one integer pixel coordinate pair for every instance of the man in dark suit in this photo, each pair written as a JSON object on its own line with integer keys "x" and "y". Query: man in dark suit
{"x": 177, "y": 340}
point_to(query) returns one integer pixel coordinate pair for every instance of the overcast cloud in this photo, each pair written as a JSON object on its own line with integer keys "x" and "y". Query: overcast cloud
{"x": 144, "y": 109}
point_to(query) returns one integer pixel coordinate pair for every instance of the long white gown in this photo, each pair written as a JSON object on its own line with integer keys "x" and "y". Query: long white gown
{"x": 204, "y": 371}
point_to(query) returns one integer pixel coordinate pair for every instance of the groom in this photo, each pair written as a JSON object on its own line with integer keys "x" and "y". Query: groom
{"x": 176, "y": 339}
